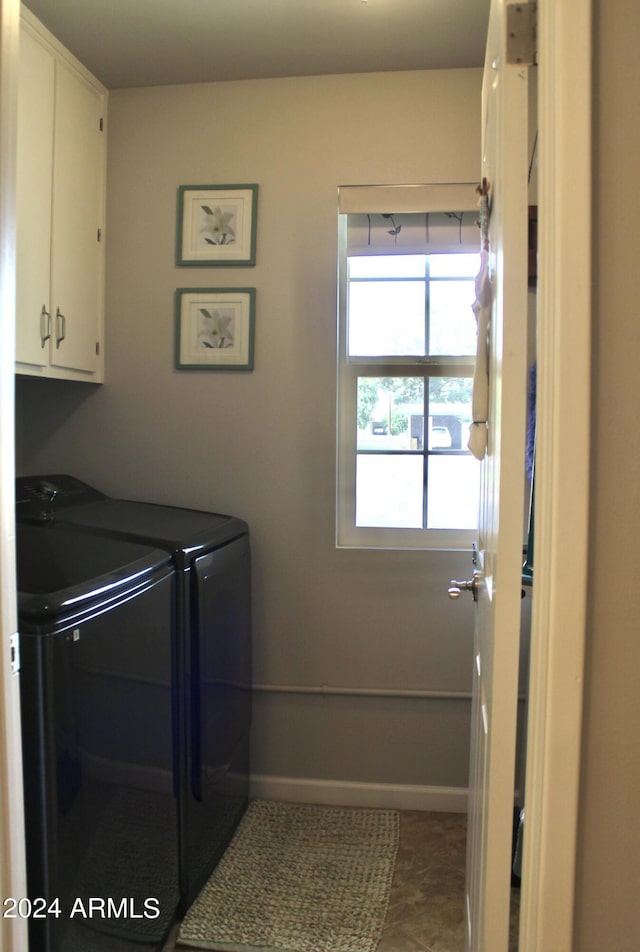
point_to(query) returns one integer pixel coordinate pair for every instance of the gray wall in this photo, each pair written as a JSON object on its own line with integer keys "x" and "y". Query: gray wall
{"x": 608, "y": 911}
{"x": 262, "y": 445}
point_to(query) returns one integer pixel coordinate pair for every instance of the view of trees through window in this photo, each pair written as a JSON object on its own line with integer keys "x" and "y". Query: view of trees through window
{"x": 402, "y": 393}
{"x": 413, "y": 468}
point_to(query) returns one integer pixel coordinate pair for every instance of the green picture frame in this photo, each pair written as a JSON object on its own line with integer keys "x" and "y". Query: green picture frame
{"x": 217, "y": 225}
{"x": 215, "y": 328}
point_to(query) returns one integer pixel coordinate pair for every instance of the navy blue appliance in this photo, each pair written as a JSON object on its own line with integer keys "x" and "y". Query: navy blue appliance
{"x": 98, "y": 725}
{"x": 210, "y": 553}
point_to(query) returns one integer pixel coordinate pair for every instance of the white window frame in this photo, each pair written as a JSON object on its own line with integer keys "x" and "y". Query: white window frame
{"x": 386, "y": 199}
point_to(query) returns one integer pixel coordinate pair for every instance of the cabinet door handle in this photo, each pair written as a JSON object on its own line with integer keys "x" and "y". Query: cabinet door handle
{"x": 45, "y": 326}
{"x": 61, "y": 327}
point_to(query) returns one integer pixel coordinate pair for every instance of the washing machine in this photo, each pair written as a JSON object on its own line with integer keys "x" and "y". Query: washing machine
{"x": 99, "y": 729}
{"x": 210, "y": 553}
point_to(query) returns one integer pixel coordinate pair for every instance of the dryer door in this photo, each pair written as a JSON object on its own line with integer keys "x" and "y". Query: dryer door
{"x": 101, "y": 820}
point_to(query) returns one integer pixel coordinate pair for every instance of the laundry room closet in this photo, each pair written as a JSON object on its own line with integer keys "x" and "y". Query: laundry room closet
{"x": 262, "y": 444}
{"x": 361, "y": 664}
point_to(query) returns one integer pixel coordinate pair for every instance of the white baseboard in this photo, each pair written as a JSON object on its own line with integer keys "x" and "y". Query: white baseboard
{"x": 352, "y": 794}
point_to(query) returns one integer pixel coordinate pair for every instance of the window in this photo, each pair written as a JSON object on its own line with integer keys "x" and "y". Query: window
{"x": 407, "y": 340}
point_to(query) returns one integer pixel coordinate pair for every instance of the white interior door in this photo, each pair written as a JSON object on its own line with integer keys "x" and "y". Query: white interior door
{"x": 499, "y": 558}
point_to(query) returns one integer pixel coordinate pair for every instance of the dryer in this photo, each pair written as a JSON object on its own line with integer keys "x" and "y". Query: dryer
{"x": 99, "y": 720}
{"x": 210, "y": 553}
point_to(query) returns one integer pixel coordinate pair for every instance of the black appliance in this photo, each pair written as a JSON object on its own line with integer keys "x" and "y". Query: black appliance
{"x": 210, "y": 553}
{"x": 98, "y": 721}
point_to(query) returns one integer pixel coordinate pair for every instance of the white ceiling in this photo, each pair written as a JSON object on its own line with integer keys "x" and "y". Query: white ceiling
{"x": 155, "y": 42}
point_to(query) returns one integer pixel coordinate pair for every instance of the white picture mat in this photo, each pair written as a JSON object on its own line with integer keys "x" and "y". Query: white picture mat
{"x": 237, "y": 204}
{"x": 236, "y": 306}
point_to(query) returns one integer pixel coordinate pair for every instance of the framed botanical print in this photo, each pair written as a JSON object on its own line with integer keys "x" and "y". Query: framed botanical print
{"x": 215, "y": 328}
{"x": 216, "y": 225}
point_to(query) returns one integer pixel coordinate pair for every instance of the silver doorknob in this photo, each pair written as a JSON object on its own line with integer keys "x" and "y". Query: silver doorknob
{"x": 456, "y": 589}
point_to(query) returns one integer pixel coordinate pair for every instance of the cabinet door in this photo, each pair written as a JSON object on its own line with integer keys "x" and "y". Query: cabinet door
{"x": 34, "y": 183}
{"x": 76, "y": 272}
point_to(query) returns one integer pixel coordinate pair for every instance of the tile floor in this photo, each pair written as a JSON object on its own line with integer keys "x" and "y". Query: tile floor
{"x": 426, "y": 904}
{"x": 427, "y": 894}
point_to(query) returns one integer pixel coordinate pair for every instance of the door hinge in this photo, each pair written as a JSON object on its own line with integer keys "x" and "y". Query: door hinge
{"x": 101, "y": 124}
{"x": 522, "y": 46}
{"x": 14, "y": 648}
{"x": 97, "y": 348}
{"x": 99, "y": 234}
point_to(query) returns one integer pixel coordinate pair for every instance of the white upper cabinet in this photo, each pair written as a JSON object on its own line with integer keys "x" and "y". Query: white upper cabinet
{"x": 60, "y": 211}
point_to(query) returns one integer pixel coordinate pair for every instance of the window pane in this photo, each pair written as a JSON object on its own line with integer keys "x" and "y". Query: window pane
{"x": 389, "y": 491}
{"x": 387, "y": 266}
{"x": 454, "y": 483}
{"x": 390, "y": 415}
{"x": 449, "y": 412}
{"x": 452, "y": 325}
{"x": 454, "y": 266}
{"x": 386, "y": 318}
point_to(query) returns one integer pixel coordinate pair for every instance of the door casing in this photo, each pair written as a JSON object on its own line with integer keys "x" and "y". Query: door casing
{"x": 562, "y": 475}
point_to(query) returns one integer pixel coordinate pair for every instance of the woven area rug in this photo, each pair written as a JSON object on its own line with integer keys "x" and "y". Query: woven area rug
{"x": 298, "y": 878}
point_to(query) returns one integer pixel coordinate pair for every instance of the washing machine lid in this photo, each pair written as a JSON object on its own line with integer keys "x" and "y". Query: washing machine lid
{"x": 183, "y": 532}
{"x": 60, "y": 570}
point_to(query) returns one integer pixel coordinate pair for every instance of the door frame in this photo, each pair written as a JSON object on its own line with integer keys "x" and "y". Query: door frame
{"x": 562, "y": 451}
{"x": 13, "y": 932}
